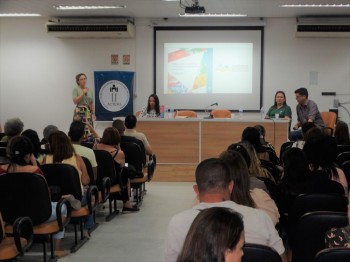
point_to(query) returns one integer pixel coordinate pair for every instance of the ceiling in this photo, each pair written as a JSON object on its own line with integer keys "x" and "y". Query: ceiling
{"x": 158, "y": 8}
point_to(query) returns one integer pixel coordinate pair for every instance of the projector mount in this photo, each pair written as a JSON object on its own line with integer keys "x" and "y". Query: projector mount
{"x": 193, "y": 9}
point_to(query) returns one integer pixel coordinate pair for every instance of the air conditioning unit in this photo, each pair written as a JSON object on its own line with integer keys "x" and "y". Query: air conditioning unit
{"x": 91, "y": 28}
{"x": 323, "y": 26}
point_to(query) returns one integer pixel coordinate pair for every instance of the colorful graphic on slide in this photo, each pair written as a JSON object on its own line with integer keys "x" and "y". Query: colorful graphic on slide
{"x": 190, "y": 71}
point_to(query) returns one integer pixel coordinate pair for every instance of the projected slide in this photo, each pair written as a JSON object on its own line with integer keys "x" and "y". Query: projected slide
{"x": 208, "y": 68}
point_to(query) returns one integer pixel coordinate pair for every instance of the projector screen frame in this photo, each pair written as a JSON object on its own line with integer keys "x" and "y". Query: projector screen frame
{"x": 210, "y": 28}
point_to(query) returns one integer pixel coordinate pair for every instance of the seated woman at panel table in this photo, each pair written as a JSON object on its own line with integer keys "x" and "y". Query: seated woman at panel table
{"x": 280, "y": 107}
{"x": 152, "y": 110}
{"x": 20, "y": 153}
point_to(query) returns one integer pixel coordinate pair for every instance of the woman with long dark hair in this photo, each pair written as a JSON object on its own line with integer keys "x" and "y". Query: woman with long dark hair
{"x": 280, "y": 107}
{"x": 216, "y": 234}
{"x": 153, "y": 108}
{"x": 242, "y": 194}
{"x": 21, "y": 159}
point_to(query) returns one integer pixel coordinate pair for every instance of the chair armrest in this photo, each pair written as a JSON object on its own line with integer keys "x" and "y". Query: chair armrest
{"x": 92, "y": 191}
{"x": 59, "y": 206}
{"x": 23, "y": 227}
{"x": 105, "y": 188}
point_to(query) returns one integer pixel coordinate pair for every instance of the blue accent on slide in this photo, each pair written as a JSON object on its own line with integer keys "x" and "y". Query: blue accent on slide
{"x": 207, "y": 61}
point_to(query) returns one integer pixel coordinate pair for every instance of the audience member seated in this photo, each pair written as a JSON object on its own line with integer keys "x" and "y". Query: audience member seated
{"x": 242, "y": 194}
{"x": 214, "y": 187}
{"x": 13, "y": 127}
{"x": 254, "y": 181}
{"x": 216, "y": 234}
{"x": 20, "y": 152}
{"x": 255, "y": 169}
{"x": 76, "y": 135}
{"x": 341, "y": 134}
{"x": 62, "y": 151}
{"x": 320, "y": 152}
{"x": 34, "y": 138}
{"x": 130, "y": 124}
{"x": 110, "y": 142}
{"x": 262, "y": 132}
{"x": 119, "y": 125}
{"x": 48, "y": 130}
{"x": 339, "y": 237}
{"x": 305, "y": 128}
{"x": 252, "y": 135}
{"x": 152, "y": 109}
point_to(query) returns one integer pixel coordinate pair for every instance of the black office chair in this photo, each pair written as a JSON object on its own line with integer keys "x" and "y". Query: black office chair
{"x": 310, "y": 233}
{"x": 338, "y": 254}
{"x": 106, "y": 169}
{"x": 271, "y": 168}
{"x": 15, "y": 244}
{"x": 27, "y": 194}
{"x": 272, "y": 155}
{"x": 342, "y": 149}
{"x": 285, "y": 146}
{"x": 342, "y": 157}
{"x": 306, "y": 203}
{"x": 261, "y": 253}
{"x": 66, "y": 178}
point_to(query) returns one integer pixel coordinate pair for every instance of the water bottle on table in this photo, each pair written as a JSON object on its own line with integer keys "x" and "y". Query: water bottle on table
{"x": 240, "y": 110}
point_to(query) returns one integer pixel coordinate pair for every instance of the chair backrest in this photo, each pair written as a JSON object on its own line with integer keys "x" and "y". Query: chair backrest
{"x": 329, "y": 119}
{"x": 138, "y": 142}
{"x": 285, "y": 146}
{"x": 24, "y": 194}
{"x": 342, "y": 157}
{"x": 3, "y": 151}
{"x": 89, "y": 170}
{"x": 339, "y": 254}
{"x": 271, "y": 188}
{"x": 220, "y": 113}
{"x": 310, "y": 233}
{"x": 342, "y": 149}
{"x": 255, "y": 252}
{"x": 185, "y": 113}
{"x": 3, "y": 144}
{"x": 105, "y": 168}
{"x": 271, "y": 168}
{"x": 133, "y": 155}
{"x": 65, "y": 177}
{"x": 307, "y": 203}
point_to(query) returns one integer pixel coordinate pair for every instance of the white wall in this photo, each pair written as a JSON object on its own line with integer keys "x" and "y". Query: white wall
{"x": 37, "y": 71}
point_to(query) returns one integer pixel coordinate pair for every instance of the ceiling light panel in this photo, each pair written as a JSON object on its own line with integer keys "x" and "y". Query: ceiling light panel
{"x": 88, "y": 7}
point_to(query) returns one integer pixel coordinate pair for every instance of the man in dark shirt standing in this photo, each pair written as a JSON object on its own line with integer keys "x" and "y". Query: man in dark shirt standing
{"x": 307, "y": 111}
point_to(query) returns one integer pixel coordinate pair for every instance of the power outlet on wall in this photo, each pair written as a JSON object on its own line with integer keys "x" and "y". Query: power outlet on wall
{"x": 336, "y": 103}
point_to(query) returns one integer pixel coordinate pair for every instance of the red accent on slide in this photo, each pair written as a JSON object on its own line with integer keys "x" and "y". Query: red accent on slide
{"x": 179, "y": 54}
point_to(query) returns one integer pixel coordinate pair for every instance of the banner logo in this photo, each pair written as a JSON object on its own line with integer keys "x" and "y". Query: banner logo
{"x": 114, "y": 95}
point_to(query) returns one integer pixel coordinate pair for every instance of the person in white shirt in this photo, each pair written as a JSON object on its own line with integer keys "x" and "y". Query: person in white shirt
{"x": 214, "y": 187}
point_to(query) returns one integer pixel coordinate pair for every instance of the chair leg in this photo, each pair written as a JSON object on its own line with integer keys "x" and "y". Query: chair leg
{"x": 81, "y": 229}
{"x": 52, "y": 246}
{"x": 75, "y": 234}
{"x": 112, "y": 213}
{"x": 44, "y": 250}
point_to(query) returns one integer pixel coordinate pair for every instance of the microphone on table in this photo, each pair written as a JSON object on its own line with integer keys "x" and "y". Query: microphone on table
{"x": 206, "y": 108}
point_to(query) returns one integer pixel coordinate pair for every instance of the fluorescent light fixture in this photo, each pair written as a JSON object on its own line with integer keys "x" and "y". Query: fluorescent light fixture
{"x": 211, "y": 15}
{"x": 317, "y": 5}
{"x": 19, "y": 15}
{"x": 88, "y": 7}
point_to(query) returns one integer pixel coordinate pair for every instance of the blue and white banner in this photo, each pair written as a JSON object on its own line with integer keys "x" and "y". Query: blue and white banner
{"x": 113, "y": 94}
